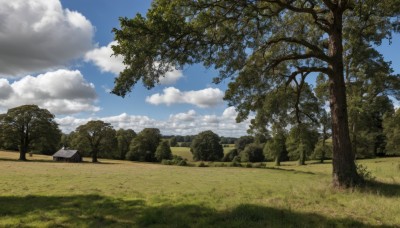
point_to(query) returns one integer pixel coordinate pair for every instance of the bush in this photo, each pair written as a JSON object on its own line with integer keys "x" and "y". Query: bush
{"x": 176, "y": 160}
{"x": 230, "y": 155}
{"x": 252, "y": 153}
{"x": 201, "y": 164}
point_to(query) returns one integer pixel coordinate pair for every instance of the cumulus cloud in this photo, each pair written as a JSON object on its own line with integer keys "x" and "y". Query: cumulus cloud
{"x": 205, "y": 98}
{"x": 61, "y": 92}
{"x": 36, "y": 35}
{"x": 104, "y": 59}
{"x": 188, "y": 123}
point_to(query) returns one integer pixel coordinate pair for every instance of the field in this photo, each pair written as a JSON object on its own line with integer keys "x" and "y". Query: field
{"x": 43, "y": 193}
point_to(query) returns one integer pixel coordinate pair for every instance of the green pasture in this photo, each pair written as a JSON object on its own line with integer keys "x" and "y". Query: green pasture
{"x": 43, "y": 193}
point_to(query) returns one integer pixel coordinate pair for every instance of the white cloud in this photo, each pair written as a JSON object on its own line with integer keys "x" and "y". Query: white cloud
{"x": 189, "y": 123}
{"x": 37, "y": 35}
{"x": 104, "y": 59}
{"x": 61, "y": 92}
{"x": 209, "y": 97}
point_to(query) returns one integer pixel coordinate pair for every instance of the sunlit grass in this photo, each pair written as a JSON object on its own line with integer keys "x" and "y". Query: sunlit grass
{"x": 43, "y": 193}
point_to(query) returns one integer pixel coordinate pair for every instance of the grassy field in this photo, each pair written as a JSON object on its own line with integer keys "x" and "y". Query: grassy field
{"x": 43, "y": 193}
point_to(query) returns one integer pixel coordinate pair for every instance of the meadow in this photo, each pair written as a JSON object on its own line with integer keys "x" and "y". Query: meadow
{"x": 43, "y": 193}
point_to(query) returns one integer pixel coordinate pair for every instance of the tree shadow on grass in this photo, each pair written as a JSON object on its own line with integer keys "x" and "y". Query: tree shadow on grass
{"x": 99, "y": 211}
{"x": 381, "y": 188}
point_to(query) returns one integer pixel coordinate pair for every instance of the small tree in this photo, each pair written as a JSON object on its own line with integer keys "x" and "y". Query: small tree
{"x": 228, "y": 157}
{"x": 206, "y": 147}
{"x": 391, "y": 129}
{"x": 97, "y": 136}
{"x": 144, "y": 145}
{"x": 243, "y": 141}
{"x": 163, "y": 151}
{"x": 275, "y": 149}
{"x": 28, "y": 125}
{"x": 252, "y": 153}
{"x": 301, "y": 142}
{"x": 173, "y": 142}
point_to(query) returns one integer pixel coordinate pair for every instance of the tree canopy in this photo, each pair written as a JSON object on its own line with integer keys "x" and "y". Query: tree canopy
{"x": 261, "y": 45}
{"x": 96, "y": 136}
{"x": 206, "y": 147}
{"x": 29, "y": 126}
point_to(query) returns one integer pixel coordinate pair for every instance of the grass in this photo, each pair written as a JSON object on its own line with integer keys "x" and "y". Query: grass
{"x": 42, "y": 193}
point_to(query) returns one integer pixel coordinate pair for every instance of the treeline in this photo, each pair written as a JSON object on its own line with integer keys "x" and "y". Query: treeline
{"x": 31, "y": 129}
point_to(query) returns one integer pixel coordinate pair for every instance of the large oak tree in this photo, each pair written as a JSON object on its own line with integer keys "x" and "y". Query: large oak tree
{"x": 259, "y": 44}
{"x": 27, "y": 125}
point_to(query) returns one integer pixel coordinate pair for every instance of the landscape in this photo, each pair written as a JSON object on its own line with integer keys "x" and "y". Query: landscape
{"x": 200, "y": 113}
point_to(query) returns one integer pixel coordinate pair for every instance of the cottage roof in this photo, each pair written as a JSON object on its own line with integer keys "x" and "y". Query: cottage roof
{"x": 63, "y": 153}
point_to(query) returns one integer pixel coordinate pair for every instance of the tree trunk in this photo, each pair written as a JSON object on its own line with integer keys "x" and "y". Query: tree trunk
{"x": 344, "y": 168}
{"x": 22, "y": 154}
{"x": 94, "y": 156}
{"x": 278, "y": 160}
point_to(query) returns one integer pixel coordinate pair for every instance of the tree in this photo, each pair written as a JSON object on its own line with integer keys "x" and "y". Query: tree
{"x": 173, "y": 142}
{"x": 261, "y": 45}
{"x": 143, "y": 147}
{"x": 228, "y": 157}
{"x": 300, "y": 142}
{"x": 124, "y": 138}
{"x": 28, "y": 125}
{"x": 391, "y": 129}
{"x": 276, "y": 147}
{"x": 243, "y": 141}
{"x": 252, "y": 153}
{"x": 97, "y": 136}
{"x": 206, "y": 147}
{"x": 163, "y": 151}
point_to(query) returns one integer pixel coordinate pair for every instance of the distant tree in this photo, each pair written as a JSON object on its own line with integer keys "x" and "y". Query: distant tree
{"x": 143, "y": 147}
{"x": 97, "y": 136}
{"x": 28, "y": 125}
{"x": 243, "y": 141}
{"x": 173, "y": 142}
{"x": 275, "y": 149}
{"x": 322, "y": 151}
{"x": 124, "y": 138}
{"x": 206, "y": 147}
{"x": 391, "y": 129}
{"x": 300, "y": 142}
{"x": 252, "y": 153}
{"x": 163, "y": 151}
{"x": 228, "y": 157}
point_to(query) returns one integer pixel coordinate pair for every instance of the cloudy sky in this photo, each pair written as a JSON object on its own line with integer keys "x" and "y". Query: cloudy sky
{"x": 56, "y": 54}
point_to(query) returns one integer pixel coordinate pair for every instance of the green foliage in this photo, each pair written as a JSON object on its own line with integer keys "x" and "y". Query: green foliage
{"x": 243, "y": 141}
{"x": 124, "y": 138}
{"x": 391, "y": 129}
{"x": 275, "y": 149}
{"x": 31, "y": 128}
{"x": 206, "y": 147}
{"x": 322, "y": 152}
{"x": 252, "y": 153}
{"x": 173, "y": 142}
{"x": 176, "y": 160}
{"x": 364, "y": 173}
{"x": 143, "y": 147}
{"x": 96, "y": 137}
{"x": 228, "y": 157}
{"x": 163, "y": 151}
{"x": 300, "y": 142}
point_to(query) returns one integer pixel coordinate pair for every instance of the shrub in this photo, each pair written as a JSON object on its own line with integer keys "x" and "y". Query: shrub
{"x": 252, "y": 153}
{"x": 230, "y": 155}
{"x": 163, "y": 151}
{"x": 202, "y": 164}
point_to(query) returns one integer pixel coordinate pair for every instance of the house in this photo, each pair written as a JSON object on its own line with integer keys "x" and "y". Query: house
{"x": 67, "y": 156}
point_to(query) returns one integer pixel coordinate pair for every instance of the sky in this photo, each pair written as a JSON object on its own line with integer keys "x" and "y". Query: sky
{"x": 57, "y": 54}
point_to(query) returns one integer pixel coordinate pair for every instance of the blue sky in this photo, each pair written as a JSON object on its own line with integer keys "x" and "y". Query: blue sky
{"x": 56, "y": 53}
